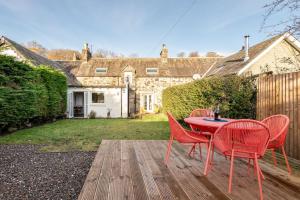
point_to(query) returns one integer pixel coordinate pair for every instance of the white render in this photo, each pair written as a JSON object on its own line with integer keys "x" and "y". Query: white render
{"x": 115, "y": 100}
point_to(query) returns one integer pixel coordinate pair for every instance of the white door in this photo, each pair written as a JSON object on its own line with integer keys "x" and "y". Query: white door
{"x": 85, "y": 104}
{"x": 148, "y": 102}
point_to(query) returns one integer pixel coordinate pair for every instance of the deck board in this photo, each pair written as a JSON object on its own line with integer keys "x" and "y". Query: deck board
{"x": 135, "y": 170}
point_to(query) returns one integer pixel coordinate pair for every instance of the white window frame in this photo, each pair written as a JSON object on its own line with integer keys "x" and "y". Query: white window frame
{"x": 103, "y": 70}
{"x": 151, "y": 68}
{"x": 147, "y": 102}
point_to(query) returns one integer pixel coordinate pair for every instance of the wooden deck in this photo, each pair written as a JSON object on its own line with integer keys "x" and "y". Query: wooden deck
{"x": 135, "y": 170}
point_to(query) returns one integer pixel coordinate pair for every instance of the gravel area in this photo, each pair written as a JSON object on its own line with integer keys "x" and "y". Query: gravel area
{"x": 27, "y": 173}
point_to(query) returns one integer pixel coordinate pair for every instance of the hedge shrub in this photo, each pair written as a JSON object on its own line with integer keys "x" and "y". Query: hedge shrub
{"x": 236, "y": 96}
{"x": 28, "y": 93}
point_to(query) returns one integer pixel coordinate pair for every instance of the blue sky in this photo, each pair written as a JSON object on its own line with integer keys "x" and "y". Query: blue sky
{"x": 134, "y": 26}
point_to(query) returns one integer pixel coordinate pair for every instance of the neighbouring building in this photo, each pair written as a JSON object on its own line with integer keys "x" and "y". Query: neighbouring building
{"x": 11, "y": 48}
{"x": 123, "y": 87}
{"x": 279, "y": 54}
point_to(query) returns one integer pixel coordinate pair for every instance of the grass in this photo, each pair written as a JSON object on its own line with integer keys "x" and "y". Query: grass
{"x": 86, "y": 134}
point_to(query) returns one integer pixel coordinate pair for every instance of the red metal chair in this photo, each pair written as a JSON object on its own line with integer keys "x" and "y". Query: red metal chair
{"x": 279, "y": 126}
{"x": 199, "y": 113}
{"x": 243, "y": 139}
{"x": 177, "y": 132}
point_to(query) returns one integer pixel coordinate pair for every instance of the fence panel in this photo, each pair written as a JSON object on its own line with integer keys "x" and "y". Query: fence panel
{"x": 280, "y": 94}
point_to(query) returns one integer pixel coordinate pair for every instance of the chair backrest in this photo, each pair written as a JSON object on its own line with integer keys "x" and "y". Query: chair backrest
{"x": 245, "y": 136}
{"x": 201, "y": 113}
{"x": 278, "y": 126}
{"x": 176, "y": 130}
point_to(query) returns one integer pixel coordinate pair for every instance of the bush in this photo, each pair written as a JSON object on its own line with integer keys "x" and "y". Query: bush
{"x": 236, "y": 95}
{"x": 92, "y": 115}
{"x": 28, "y": 93}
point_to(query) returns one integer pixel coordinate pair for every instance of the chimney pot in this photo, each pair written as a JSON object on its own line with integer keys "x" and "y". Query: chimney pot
{"x": 86, "y": 54}
{"x": 246, "y": 48}
{"x": 164, "y": 54}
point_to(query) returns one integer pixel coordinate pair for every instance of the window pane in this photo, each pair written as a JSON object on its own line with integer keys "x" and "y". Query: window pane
{"x": 145, "y": 102}
{"x": 151, "y": 70}
{"x": 150, "y": 102}
{"x": 101, "y": 69}
{"x": 98, "y": 97}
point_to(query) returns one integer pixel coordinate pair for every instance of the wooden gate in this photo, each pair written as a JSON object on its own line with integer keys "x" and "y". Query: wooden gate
{"x": 280, "y": 94}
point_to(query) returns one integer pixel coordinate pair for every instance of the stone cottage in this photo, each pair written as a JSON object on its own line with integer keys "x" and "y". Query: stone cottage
{"x": 122, "y": 87}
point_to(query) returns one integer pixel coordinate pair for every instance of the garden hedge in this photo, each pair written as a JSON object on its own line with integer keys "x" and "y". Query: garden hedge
{"x": 236, "y": 96}
{"x": 28, "y": 93}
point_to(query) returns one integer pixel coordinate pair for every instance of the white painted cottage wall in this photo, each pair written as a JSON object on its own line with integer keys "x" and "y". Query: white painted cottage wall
{"x": 112, "y": 100}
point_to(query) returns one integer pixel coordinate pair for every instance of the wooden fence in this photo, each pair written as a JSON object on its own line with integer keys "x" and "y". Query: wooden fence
{"x": 280, "y": 94}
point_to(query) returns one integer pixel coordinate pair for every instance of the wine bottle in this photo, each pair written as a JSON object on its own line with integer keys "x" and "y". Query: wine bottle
{"x": 217, "y": 113}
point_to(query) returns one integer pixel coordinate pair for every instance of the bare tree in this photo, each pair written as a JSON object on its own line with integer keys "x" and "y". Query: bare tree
{"x": 194, "y": 54}
{"x": 100, "y": 53}
{"x": 181, "y": 54}
{"x": 36, "y": 47}
{"x": 291, "y": 23}
{"x": 212, "y": 54}
{"x": 103, "y": 53}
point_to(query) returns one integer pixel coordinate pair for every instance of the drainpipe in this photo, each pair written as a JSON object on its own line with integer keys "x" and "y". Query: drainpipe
{"x": 121, "y": 94}
{"x": 246, "y": 48}
{"x": 127, "y": 87}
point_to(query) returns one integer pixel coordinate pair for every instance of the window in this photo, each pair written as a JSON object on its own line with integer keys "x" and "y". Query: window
{"x": 98, "y": 97}
{"x": 152, "y": 70}
{"x": 148, "y": 102}
{"x": 101, "y": 70}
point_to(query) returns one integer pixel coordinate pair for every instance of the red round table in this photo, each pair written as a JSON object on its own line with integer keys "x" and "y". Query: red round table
{"x": 206, "y": 125}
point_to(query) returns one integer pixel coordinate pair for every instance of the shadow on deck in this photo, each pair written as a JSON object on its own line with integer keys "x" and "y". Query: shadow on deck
{"x": 135, "y": 170}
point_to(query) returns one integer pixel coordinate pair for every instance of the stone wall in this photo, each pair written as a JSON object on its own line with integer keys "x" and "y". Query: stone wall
{"x": 101, "y": 81}
{"x": 155, "y": 86}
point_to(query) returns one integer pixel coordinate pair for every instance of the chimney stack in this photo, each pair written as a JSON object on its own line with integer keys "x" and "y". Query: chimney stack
{"x": 74, "y": 57}
{"x": 164, "y": 54}
{"x": 86, "y": 54}
{"x": 246, "y": 48}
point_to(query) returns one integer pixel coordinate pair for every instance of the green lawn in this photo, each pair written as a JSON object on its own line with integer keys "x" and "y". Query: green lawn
{"x": 86, "y": 134}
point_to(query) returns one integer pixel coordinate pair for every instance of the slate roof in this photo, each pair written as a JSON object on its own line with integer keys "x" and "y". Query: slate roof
{"x": 37, "y": 60}
{"x": 174, "y": 67}
{"x": 235, "y": 62}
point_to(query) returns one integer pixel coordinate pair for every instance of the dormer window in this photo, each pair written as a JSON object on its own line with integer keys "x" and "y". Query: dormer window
{"x": 102, "y": 70}
{"x": 152, "y": 71}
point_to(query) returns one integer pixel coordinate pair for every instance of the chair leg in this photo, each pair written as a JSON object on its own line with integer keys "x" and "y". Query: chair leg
{"x": 200, "y": 151}
{"x": 213, "y": 153}
{"x": 249, "y": 162}
{"x": 274, "y": 157}
{"x": 258, "y": 176}
{"x": 286, "y": 160}
{"x": 261, "y": 174}
{"x": 231, "y": 172}
{"x": 168, "y": 151}
{"x": 207, "y": 157}
{"x": 192, "y": 150}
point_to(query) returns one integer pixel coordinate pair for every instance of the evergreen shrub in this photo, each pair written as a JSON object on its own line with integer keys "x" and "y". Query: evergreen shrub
{"x": 28, "y": 93}
{"x": 236, "y": 96}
